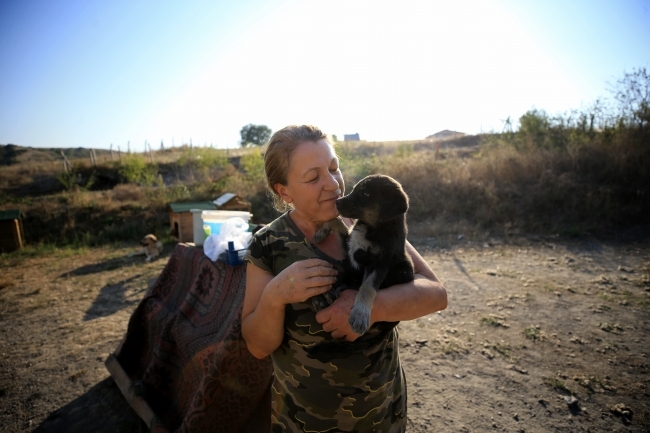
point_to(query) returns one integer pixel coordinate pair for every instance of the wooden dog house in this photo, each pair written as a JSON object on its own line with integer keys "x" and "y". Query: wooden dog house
{"x": 180, "y": 214}
{"x": 12, "y": 236}
{"x": 180, "y": 219}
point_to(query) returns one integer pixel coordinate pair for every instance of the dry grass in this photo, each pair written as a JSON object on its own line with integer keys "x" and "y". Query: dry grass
{"x": 504, "y": 189}
{"x": 126, "y": 193}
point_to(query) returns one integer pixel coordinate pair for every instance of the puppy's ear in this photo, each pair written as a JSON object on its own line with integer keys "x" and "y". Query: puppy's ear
{"x": 395, "y": 203}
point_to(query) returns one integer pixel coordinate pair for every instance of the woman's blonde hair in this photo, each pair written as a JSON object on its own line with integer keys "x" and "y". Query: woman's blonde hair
{"x": 277, "y": 159}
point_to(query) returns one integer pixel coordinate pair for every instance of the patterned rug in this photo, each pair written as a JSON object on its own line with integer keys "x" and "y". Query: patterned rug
{"x": 184, "y": 353}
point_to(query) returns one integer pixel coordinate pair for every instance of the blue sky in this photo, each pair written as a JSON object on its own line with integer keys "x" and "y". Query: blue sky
{"x": 91, "y": 73}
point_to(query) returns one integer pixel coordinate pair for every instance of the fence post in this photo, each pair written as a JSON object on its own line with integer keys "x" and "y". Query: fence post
{"x": 66, "y": 164}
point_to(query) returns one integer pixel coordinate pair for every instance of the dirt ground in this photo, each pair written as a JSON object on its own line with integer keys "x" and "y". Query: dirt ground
{"x": 541, "y": 335}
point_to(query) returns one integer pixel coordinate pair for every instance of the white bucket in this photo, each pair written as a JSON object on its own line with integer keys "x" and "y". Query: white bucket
{"x": 197, "y": 227}
{"x": 212, "y": 220}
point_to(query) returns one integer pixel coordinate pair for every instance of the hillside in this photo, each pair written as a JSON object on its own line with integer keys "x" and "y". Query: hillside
{"x": 446, "y": 134}
{"x": 12, "y": 154}
{"x": 570, "y": 182}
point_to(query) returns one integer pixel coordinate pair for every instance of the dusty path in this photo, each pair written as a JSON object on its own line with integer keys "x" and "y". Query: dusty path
{"x": 531, "y": 328}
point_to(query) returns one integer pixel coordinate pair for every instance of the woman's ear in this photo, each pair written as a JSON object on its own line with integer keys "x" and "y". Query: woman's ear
{"x": 282, "y": 190}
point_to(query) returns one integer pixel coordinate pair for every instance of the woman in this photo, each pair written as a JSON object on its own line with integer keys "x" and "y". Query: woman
{"x": 360, "y": 393}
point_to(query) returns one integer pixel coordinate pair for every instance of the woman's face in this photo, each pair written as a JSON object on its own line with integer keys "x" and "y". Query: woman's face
{"x": 314, "y": 181}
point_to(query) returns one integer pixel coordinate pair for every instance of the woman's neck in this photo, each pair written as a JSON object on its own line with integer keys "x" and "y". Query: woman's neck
{"x": 330, "y": 245}
{"x": 306, "y": 226}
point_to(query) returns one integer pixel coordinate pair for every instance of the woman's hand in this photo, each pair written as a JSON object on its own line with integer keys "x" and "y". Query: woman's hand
{"x": 302, "y": 280}
{"x": 266, "y": 297}
{"x": 335, "y": 318}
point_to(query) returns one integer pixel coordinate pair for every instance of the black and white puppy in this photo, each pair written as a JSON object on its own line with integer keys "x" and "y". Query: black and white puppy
{"x": 375, "y": 247}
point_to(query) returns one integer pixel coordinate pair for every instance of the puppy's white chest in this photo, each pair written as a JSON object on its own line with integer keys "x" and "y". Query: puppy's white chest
{"x": 357, "y": 241}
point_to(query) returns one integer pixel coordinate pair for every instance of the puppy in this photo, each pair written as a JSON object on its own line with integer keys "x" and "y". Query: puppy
{"x": 151, "y": 248}
{"x": 375, "y": 247}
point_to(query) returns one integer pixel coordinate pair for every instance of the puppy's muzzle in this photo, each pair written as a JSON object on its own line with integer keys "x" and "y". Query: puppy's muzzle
{"x": 346, "y": 208}
{"x": 343, "y": 205}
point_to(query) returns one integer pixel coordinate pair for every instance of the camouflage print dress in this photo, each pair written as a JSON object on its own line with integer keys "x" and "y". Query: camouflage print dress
{"x": 365, "y": 392}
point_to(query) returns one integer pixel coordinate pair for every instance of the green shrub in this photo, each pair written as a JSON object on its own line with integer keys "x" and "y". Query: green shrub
{"x": 204, "y": 162}
{"x": 134, "y": 169}
{"x": 75, "y": 178}
{"x": 253, "y": 165}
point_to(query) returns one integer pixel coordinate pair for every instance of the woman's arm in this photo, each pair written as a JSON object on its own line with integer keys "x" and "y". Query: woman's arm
{"x": 424, "y": 295}
{"x": 262, "y": 320}
{"x": 266, "y": 297}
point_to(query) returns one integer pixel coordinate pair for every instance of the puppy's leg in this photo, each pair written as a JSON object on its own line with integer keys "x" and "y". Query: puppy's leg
{"x": 324, "y": 300}
{"x": 154, "y": 251}
{"x": 323, "y": 232}
{"x": 401, "y": 272}
{"x": 151, "y": 255}
{"x": 360, "y": 315}
{"x": 337, "y": 225}
{"x": 140, "y": 252}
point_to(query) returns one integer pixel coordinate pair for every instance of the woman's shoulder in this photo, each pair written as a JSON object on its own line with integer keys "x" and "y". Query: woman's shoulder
{"x": 282, "y": 228}
{"x": 278, "y": 245}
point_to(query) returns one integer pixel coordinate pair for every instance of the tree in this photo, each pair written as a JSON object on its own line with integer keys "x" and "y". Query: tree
{"x": 534, "y": 126}
{"x": 632, "y": 92}
{"x": 254, "y": 135}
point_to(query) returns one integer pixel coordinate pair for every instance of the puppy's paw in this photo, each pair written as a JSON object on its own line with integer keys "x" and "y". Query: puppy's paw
{"x": 340, "y": 289}
{"x": 359, "y": 319}
{"x": 322, "y": 233}
{"x": 323, "y": 300}
{"x": 318, "y": 302}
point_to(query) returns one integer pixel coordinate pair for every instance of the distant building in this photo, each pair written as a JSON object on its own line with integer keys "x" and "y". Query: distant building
{"x": 351, "y": 137}
{"x": 446, "y": 134}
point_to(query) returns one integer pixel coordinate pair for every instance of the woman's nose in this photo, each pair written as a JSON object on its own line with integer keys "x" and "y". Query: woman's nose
{"x": 332, "y": 182}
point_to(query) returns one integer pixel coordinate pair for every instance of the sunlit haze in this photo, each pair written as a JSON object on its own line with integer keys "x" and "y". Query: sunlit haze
{"x": 92, "y": 73}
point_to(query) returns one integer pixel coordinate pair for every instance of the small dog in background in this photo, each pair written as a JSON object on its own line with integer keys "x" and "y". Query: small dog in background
{"x": 375, "y": 249}
{"x": 151, "y": 247}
